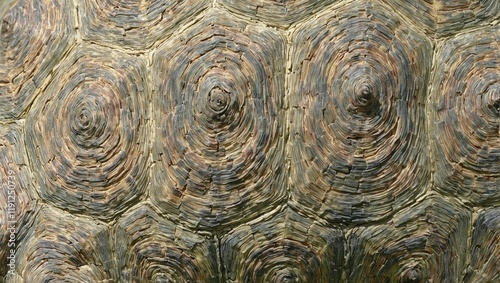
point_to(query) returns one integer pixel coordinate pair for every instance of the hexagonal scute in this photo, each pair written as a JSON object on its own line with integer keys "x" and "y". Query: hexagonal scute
{"x": 151, "y": 248}
{"x": 15, "y": 203}
{"x": 422, "y": 243}
{"x": 64, "y": 248}
{"x": 280, "y": 13}
{"x": 283, "y": 248}
{"x": 466, "y": 99}
{"x": 34, "y": 36}
{"x": 219, "y": 146}
{"x": 87, "y": 135}
{"x": 485, "y": 249}
{"x": 445, "y": 17}
{"x": 133, "y": 24}
{"x": 358, "y": 134}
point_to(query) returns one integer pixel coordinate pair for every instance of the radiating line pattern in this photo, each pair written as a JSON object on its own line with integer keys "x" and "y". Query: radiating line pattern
{"x": 34, "y": 37}
{"x": 220, "y": 127}
{"x": 64, "y": 248}
{"x": 284, "y": 248}
{"x": 134, "y": 25}
{"x": 87, "y": 134}
{"x": 466, "y": 111}
{"x": 422, "y": 243}
{"x": 151, "y": 248}
{"x": 358, "y": 84}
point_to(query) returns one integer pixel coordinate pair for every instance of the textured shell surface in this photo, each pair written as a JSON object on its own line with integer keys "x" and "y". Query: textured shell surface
{"x": 232, "y": 141}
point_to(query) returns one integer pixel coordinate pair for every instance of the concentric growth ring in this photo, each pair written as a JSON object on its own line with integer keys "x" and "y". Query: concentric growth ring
{"x": 414, "y": 247}
{"x": 64, "y": 248}
{"x": 444, "y": 18}
{"x": 485, "y": 248}
{"x": 276, "y": 13}
{"x": 27, "y": 57}
{"x": 87, "y": 133}
{"x": 466, "y": 97}
{"x": 285, "y": 248}
{"x": 153, "y": 249}
{"x": 15, "y": 204}
{"x": 133, "y": 24}
{"x": 358, "y": 87}
{"x": 220, "y": 128}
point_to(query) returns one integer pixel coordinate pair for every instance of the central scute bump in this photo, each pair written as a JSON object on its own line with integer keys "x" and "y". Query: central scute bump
{"x": 411, "y": 276}
{"x": 365, "y": 100}
{"x": 219, "y": 100}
